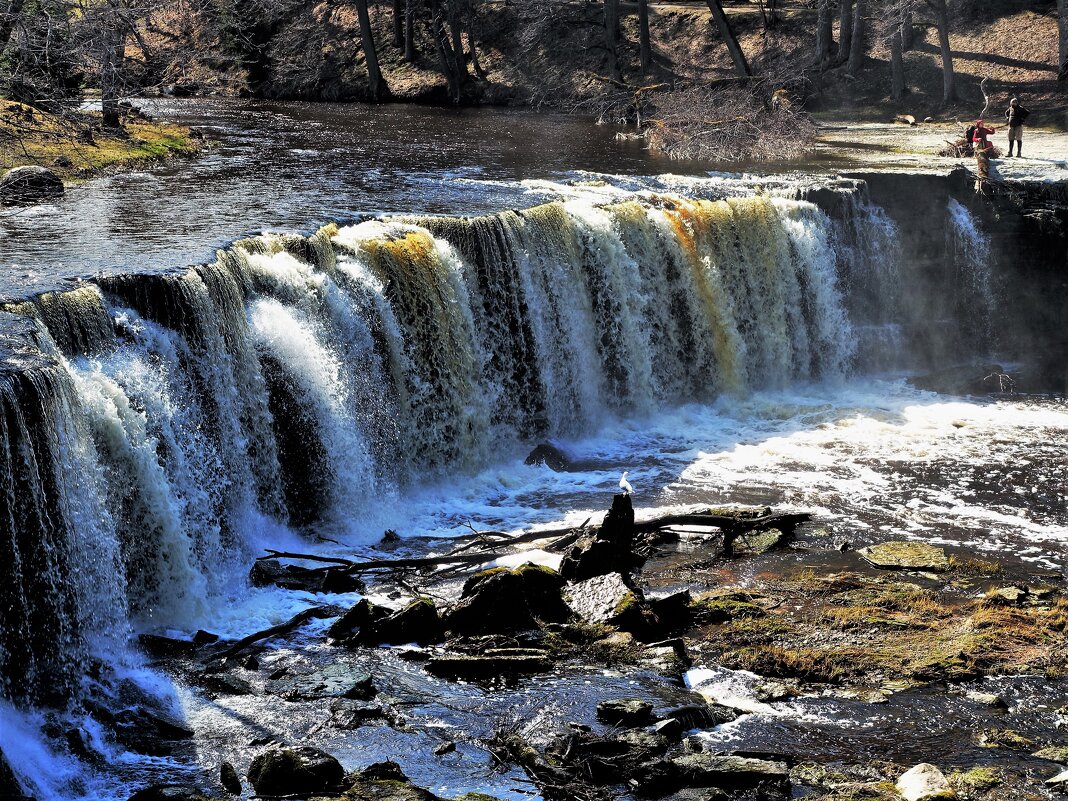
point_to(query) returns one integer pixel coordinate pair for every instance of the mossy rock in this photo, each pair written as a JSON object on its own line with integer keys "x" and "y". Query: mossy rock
{"x": 976, "y": 780}
{"x": 1054, "y": 753}
{"x": 906, "y": 556}
{"x": 721, "y": 610}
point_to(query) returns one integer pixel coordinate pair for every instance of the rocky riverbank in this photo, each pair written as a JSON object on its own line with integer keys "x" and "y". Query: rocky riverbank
{"x": 779, "y": 601}
{"x": 41, "y": 152}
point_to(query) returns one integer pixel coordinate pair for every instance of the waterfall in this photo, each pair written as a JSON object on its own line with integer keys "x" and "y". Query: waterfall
{"x": 969, "y": 249}
{"x": 156, "y": 427}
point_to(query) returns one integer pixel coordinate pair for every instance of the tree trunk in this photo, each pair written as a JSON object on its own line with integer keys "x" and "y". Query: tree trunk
{"x": 897, "y": 65}
{"x": 1062, "y": 38}
{"x": 824, "y": 32}
{"x": 113, "y": 53}
{"x": 949, "y": 80}
{"x": 475, "y": 63}
{"x": 376, "y": 83}
{"x": 457, "y": 34}
{"x": 845, "y": 30}
{"x": 398, "y": 23}
{"x": 7, "y": 22}
{"x": 409, "y": 30}
{"x": 908, "y": 34}
{"x": 858, "y": 49}
{"x": 725, "y": 30}
{"x": 644, "y": 46}
{"x": 611, "y": 37}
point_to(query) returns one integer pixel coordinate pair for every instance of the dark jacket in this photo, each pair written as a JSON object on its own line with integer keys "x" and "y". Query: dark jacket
{"x": 1016, "y": 115}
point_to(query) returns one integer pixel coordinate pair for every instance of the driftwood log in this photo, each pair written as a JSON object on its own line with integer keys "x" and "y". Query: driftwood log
{"x": 732, "y": 527}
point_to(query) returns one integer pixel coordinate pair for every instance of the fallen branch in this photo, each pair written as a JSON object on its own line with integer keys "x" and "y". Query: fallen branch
{"x": 294, "y": 622}
{"x": 728, "y": 522}
{"x": 333, "y": 560}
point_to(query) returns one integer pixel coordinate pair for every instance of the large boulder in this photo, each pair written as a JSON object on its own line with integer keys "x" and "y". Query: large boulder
{"x": 609, "y": 550}
{"x": 295, "y": 771}
{"x": 550, "y": 456}
{"x": 361, "y": 615}
{"x": 925, "y": 782}
{"x": 906, "y": 556}
{"x": 626, "y": 712}
{"x": 29, "y": 185}
{"x": 417, "y": 622}
{"x": 502, "y": 600}
{"x": 601, "y": 599}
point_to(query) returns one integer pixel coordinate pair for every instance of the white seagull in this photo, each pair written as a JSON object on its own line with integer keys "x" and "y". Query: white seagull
{"x": 625, "y": 485}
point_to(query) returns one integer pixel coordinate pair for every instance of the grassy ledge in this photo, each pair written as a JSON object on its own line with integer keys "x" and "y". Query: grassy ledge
{"x": 29, "y": 136}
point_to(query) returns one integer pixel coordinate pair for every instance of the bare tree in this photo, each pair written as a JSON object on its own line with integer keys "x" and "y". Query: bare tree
{"x": 824, "y": 32}
{"x": 1062, "y": 39}
{"x": 8, "y": 20}
{"x": 858, "y": 48}
{"x": 611, "y": 37}
{"x": 727, "y": 32}
{"x": 376, "y": 83}
{"x": 645, "y": 49}
{"x": 409, "y": 30}
{"x": 949, "y": 80}
{"x": 845, "y": 30}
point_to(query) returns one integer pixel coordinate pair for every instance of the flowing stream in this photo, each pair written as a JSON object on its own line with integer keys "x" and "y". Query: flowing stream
{"x": 726, "y": 339}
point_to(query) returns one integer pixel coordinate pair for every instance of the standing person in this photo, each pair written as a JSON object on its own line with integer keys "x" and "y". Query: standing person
{"x": 1016, "y": 114}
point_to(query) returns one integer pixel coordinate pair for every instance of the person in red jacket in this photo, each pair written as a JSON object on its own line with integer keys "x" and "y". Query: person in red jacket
{"x": 979, "y": 136}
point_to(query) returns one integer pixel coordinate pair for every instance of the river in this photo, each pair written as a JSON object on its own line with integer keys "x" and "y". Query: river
{"x": 723, "y": 338}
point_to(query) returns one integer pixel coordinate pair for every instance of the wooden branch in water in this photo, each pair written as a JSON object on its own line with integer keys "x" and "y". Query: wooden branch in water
{"x": 333, "y": 560}
{"x": 722, "y": 521}
{"x": 294, "y": 622}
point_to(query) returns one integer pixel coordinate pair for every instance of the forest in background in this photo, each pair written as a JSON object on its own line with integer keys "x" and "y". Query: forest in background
{"x": 706, "y": 79}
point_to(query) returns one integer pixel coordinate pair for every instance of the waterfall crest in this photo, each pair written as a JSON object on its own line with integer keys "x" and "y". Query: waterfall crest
{"x": 300, "y": 381}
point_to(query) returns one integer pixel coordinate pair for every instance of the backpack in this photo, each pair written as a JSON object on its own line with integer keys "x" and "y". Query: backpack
{"x": 969, "y": 133}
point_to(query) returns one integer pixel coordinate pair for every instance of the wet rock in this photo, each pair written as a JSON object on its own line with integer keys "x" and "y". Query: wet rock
{"x": 225, "y": 684}
{"x": 362, "y": 614}
{"x": 676, "y": 722}
{"x": 673, "y": 611}
{"x": 388, "y": 771}
{"x": 417, "y": 622}
{"x": 721, "y": 608}
{"x": 445, "y": 748}
{"x": 348, "y": 714}
{"x": 488, "y": 666}
{"x": 160, "y": 646}
{"x": 698, "y": 794}
{"x": 669, "y": 657}
{"x": 168, "y": 792}
{"x": 986, "y": 699}
{"x": 923, "y": 783}
{"x": 732, "y": 773}
{"x": 336, "y": 680}
{"x": 906, "y": 556}
{"x": 149, "y": 732}
{"x": 609, "y": 550}
{"x": 294, "y": 771}
{"x": 549, "y": 455}
{"x": 33, "y": 184}
{"x": 268, "y": 572}
{"x": 1054, "y": 753}
{"x": 204, "y": 638}
{"x": 1003, "y": 738}
{"x": 502, "y": 600}
{"x": 601, "y": 599}
{"x": 605, "y": 760}
{"x": 626, "y": 712}
{"x": 755, "y": 543}
{"x": 229, "y": 779}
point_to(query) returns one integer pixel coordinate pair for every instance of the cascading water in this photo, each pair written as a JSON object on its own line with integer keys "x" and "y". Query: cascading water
{"x": 157, "y": 428}
{"x": 969, "y": 249}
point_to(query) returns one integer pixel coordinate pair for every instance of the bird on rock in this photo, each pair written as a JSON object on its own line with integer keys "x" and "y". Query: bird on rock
{"x": 625, "y": 485}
